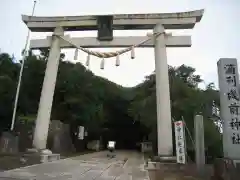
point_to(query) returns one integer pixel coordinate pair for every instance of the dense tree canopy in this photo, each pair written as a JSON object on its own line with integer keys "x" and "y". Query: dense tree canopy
{"x": 81, "y": 98}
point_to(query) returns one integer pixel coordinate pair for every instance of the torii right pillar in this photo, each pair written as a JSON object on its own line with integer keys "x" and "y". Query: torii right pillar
{"x": 164, "y": 123}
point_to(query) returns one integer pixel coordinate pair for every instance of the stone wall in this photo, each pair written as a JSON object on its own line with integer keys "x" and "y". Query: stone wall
{"x": 94, "y": 145}
{"x": 226, "y": 169}
{"x": 9, "y": 143}
{"x": 25, "y": 137}
{"x": 162, "y": 171}
{"x": 59, "y": 139}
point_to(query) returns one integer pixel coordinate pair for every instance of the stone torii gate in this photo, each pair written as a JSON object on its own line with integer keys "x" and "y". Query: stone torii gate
{"x": 105, "y": 26}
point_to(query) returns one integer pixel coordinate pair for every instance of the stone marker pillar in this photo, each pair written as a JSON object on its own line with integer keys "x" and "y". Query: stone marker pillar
{"x": 45, "y": 105}
{"x": 230, "y": 113}
{"x": 164, "y": 123}
{"x": 199, "y": 144}
{"x": 228, "y": 167}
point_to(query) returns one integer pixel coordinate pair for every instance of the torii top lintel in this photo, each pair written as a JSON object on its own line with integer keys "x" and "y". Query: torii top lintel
{"x": 182, "y": 20}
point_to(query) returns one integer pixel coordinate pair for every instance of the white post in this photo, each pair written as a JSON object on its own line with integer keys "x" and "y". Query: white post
{"x": 199, "y": 143}
{"x": 164, "y": 123}
{"x": 45, "y": 105}
{"x": 20, "y": 73}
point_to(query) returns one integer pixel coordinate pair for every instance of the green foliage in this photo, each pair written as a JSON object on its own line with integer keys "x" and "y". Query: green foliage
{"x": 187, "y": 100}
{"x": 81, "y": 98}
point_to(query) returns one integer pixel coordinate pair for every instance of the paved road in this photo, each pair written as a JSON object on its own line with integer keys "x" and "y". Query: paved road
{"x": 126, "y": 165}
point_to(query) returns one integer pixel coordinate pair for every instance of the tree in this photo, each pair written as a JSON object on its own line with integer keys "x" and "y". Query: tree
{"x": 8, "y": 78}
{"x": 103, "y": 107}
{"x": 187, "y": 100}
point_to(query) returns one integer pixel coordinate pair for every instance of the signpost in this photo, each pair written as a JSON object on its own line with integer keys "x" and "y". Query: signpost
{"x": 180, "y": 142}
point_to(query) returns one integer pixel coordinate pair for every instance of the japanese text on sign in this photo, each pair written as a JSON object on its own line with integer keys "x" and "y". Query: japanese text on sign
{"x": 233, "y": 98}
{"x": 180, "y": 142}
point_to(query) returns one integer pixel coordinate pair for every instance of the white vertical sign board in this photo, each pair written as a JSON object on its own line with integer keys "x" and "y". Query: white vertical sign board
{"x": 180, "y": 142}
{"x": 81, "y": 132}
{"x": 230, "y": 112}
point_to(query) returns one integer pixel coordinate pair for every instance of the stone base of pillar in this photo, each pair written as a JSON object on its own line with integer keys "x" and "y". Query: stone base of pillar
{"x": 165, "y": 159}
{"x": 226, "y": 169}
{"x": 161, "y": 168}
{"x": 34, "y": 156}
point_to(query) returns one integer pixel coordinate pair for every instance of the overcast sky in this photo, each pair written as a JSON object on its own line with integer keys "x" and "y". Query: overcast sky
{"x": 216, "y": 36}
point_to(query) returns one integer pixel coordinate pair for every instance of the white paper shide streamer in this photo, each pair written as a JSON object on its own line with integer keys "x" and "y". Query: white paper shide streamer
{"x": 102, "y": 63}
{"x": 117, "y": 60}
{"x": 88, "y": 60}
{"x": 76, "y": 54}
{"x": 132, "y": 53}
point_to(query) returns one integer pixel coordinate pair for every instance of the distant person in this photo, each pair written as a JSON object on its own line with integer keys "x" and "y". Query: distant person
{"x": 111, "y": 148}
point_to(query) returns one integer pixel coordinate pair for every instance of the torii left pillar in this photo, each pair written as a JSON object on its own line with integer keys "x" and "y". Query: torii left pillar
{"x": 46, "y": 99}
{"x": 164, "y": 122}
